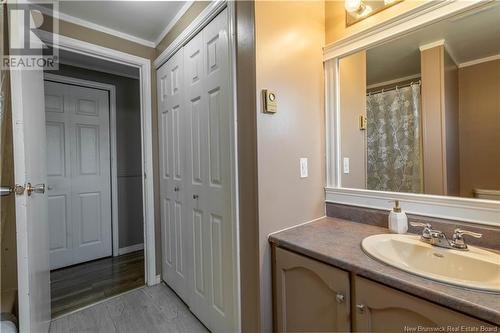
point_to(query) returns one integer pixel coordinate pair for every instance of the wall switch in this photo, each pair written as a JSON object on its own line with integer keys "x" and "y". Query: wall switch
{"x": 346, "y": 165}
{"x": 303, "y": 167}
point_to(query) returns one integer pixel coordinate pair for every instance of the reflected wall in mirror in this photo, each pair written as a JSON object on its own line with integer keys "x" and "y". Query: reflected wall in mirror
{"x": 431, "y": 104}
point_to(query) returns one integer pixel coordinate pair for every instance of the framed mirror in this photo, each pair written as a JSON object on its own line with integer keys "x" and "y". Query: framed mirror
{"x": 415, "y": 115}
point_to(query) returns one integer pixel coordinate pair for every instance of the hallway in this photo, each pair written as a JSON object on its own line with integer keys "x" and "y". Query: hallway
{"x": 148, "y": 309}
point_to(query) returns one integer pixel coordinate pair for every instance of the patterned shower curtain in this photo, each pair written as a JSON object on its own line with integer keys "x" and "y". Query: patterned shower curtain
{"x": 393, "y": 140}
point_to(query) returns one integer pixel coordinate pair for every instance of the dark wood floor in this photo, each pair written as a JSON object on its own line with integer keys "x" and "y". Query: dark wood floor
{"x": 77, "y": 286}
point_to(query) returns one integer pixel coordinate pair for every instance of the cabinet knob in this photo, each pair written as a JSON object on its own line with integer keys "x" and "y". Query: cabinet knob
{"x": 361, "y": 308}
{"x": 340, "y": 298}
{"x": 176, "y": 189}
{"x": 195, "y": 196}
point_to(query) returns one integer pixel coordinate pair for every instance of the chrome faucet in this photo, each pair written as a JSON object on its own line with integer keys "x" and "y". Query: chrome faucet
{"x": 438, "y": 238}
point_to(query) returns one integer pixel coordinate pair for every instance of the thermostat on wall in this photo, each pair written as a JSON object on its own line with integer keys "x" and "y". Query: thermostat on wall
{"x": 270, "y": 101}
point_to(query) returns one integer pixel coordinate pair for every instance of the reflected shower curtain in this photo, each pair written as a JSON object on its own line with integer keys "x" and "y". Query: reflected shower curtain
{"x": 394, "y": 159}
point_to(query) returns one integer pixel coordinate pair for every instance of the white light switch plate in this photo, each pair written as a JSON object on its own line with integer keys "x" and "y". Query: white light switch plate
{"x": 303, "y": 167}
{"x": 346, "y": 165}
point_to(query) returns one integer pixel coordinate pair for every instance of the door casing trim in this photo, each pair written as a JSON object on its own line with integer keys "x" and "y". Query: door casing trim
{"x": 144, "y": 66}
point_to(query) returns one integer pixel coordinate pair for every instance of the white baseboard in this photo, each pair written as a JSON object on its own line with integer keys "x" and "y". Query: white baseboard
{"x": 132, "y": 248}
{"x": 158, "y": 279}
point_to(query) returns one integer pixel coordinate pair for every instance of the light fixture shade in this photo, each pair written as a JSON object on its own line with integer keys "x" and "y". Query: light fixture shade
{"x": 352, "y": 5}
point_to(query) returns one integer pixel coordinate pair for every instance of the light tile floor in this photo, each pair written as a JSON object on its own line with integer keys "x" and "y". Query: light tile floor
{"x": 148, "y": 309}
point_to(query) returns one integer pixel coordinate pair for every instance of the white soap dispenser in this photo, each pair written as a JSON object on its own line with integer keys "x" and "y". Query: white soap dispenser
{"x": 398, "y": 221}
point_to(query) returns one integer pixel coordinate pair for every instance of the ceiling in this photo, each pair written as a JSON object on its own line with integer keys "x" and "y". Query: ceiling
{"x": 144, "y": 20}
{"x": 468, "y": 36}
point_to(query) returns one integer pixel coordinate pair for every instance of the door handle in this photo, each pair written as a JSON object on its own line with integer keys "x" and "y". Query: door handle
{"x": 6, "y": 190}
{"x": 39, "y": 188}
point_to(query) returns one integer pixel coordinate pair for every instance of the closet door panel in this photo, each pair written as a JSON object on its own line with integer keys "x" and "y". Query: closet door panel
{"x": 217, "y": 191}
{"x": 58, "y": 118}
{"x": 172, "y": 119}
{"x": 197, "y": 172}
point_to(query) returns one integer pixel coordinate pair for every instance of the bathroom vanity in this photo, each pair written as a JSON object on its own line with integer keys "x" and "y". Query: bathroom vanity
{"x": 323, "y": 281}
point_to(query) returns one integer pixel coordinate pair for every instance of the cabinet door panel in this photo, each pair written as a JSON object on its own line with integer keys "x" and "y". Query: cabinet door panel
{"x": 388, "y": 310}
{"x": 309, "y": 296}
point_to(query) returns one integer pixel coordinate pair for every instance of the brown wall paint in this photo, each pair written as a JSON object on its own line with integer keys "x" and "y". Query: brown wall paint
{"x": 336, "y": 29}
{"x": 8, "y": 251}
{"x": 451, "y": 125}
{"x": 434, "y": 154}
{"x": 479, "y": 93}
{"x": 247, "y": 162}
{"x": 196, "y": 8}
{"x": 352, "y": 105}
{"x": 289, "y": 61}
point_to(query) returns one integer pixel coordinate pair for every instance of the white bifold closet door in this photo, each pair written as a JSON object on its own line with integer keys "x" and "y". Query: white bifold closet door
{"x": 78, "y": 173}
{"x": 195, "y": 142}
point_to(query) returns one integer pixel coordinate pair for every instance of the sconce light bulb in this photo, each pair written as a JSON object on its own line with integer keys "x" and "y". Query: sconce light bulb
{"x": 352, "y": 5}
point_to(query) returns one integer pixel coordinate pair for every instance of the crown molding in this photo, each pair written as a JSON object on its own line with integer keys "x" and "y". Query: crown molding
{"x": 196, "y": 25}
{"x": 479, "y": 61}
{"x": 427, "y": 13}
{"x": 431, "y": 45}
{"x": 174, "y": 21}
{"x": 113, "y": 32}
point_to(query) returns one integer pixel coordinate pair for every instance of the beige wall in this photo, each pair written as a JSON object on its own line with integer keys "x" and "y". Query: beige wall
{"x": 335, "y": 28}
{"x": 352, "y": 105}
{"x": 289, "y": 40}
{"x": 479, "y": 94}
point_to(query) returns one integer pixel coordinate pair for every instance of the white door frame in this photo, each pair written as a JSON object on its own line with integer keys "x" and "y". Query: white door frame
{"x": 210, "y": 12}
{"x": 111, "y": 89}
{"x": 144, "y": 66}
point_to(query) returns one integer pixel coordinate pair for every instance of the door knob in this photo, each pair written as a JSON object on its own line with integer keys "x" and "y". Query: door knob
{"x": 39, "y": 188}
{"x": 6, "y": 190}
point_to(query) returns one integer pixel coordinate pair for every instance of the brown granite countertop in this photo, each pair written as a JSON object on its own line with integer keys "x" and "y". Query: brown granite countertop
{"x": 338, "y": 242}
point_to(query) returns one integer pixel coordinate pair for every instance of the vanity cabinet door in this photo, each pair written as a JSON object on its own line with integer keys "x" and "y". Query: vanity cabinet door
{"x": 309, "y": 296}
{"x": 379, "y": 308}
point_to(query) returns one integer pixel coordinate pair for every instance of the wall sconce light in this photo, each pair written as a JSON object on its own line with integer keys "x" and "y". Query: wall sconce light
{"x": 357, "y": 10}
{"x": 357, "y": 7}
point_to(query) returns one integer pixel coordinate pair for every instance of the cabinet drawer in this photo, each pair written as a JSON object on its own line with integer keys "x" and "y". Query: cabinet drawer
{"x": 309, "y": 296}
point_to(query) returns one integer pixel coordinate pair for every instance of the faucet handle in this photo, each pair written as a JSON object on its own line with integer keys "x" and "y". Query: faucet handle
{"x": 420, "y": 224}
{"x": 426, "y": 233}
{"x": 460, "y": 232}
{"x": 458, "y": 240}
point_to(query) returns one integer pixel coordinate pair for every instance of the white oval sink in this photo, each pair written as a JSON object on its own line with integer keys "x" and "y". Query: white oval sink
{"x": 474, "y": 269}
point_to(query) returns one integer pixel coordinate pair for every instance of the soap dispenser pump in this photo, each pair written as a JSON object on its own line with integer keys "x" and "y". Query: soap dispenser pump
{"x": 398, "y": 221}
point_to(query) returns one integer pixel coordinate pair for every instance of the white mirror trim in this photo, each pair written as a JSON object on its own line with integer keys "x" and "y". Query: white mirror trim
{"x": 455, "y": 208}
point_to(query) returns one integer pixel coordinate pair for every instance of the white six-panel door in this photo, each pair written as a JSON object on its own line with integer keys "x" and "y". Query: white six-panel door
{"x": 78, "y": 173}
{"x": 205, "y": 189}
{"x": 172, "y": 173}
